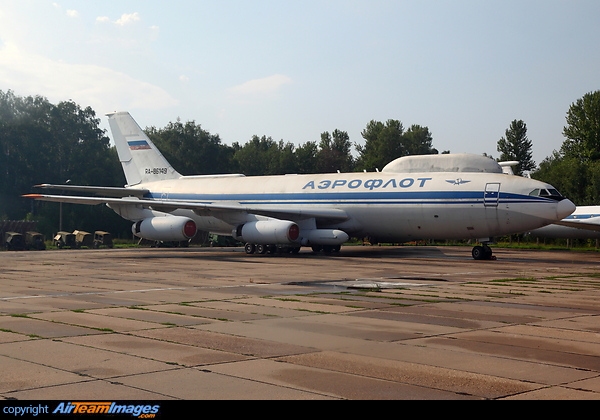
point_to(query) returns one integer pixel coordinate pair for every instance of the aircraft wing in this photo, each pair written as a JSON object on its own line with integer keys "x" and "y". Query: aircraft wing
{"x": 210, "y": 209}
{"x": 587, "y": 225}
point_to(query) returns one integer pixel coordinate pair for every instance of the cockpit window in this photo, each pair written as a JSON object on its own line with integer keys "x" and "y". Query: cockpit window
{"x": 550, "y": 193}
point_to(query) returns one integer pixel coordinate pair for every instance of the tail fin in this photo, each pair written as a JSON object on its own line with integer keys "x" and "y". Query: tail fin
{"x": 141, "y": 160}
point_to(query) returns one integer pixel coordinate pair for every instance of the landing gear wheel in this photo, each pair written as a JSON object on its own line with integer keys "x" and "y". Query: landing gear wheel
{"x": 261, "y": 249}
{"x": 249, "y": 248}
{"x": 477, "y": 252}
{"x": 327, "y": 249}
{"x": 482, "y": 253}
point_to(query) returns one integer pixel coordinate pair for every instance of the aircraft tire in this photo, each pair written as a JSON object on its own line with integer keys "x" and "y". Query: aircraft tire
{"x": 249, "y": 248}
{"x": 261, "y": 249}
{"x": 482, "y": 253}
{"x": 478, "y": 252}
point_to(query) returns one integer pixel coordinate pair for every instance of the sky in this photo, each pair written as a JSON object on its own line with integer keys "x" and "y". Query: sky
{"x": 291, "y": 69}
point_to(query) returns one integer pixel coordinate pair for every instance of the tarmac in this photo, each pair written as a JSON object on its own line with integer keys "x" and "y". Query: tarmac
{"x": 368, "y": 323}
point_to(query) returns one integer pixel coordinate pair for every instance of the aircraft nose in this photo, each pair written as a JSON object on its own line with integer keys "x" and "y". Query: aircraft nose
{"x": 565, "y": 208}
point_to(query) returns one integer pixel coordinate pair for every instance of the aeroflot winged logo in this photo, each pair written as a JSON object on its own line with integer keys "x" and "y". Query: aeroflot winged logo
{"x": 457, "y": 181}
{"x": 146, "y": 411}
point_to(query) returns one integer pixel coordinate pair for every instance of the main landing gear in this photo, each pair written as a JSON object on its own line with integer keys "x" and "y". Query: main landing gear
{"x": 288, "y": 249}
{"x": 326, "y": 249}
{"x": 270, "y": 249}
{"x": 482, "y": 252}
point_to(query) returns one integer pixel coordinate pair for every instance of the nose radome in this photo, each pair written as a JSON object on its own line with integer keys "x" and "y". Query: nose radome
{"x": 565, "y": 208}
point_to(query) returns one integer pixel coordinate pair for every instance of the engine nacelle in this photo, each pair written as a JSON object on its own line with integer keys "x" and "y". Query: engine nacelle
{"x": 324, "y": 237}
{"x": 268, "y": 232}
{"x": 165, "y": 228}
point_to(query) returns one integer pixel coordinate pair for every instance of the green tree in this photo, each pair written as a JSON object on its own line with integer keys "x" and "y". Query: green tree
{"x": 418, "y": 141}
{"x": 287, "y": 158}
{"x": 306, "y": 158}
{"x": 259, "y": 156}
{"x": 334, "y": 152}
{"x": 386, "y": 142}
{"x": 516, "y": 146}
{"x": 45, "y": 143}
{"x": 575, "y": 169}
{"x": 382, "y": 144}
{"x": 582, "y": 131}
{"x": 192, "y": 150}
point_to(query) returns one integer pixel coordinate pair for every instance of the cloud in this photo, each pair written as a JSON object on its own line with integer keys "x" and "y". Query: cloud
{"x": 127, "y": 19}
{"x": 72, "y": 13}
{"x": 264, "y": 86}
{"x": 124, "y": 20}
{"x": 88, "y": 85}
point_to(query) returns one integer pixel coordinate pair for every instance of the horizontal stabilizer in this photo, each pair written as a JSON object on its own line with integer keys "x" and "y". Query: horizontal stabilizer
{"x": 99, "y": 191}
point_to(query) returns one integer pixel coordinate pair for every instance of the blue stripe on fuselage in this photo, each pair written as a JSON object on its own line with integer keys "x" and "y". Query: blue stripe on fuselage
{"x": 416, "y": 197}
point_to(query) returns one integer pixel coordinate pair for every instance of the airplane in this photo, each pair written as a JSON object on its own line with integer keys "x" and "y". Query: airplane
{"x": 583, "y": 223}
{"x": 447, "y": 196}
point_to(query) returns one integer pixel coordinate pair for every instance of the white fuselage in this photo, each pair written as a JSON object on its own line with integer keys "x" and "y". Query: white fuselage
{"x": 384, "y": 206}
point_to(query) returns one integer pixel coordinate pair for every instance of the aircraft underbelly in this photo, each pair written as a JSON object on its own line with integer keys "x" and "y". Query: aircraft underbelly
{"x": 414, "y": 222}
{"x": 460, "y": 221}
{"x": 404, "y": 222}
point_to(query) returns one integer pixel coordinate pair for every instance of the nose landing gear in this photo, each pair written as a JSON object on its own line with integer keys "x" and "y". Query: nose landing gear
{"x": 483, "y": 252}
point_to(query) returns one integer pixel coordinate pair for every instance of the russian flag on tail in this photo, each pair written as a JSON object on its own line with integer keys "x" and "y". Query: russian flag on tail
{"x": 138, "y": 145}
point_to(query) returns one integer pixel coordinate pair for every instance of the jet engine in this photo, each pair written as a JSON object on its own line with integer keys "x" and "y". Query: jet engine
{"x": 268, "y": 232}
{"x": 165, "y": 228}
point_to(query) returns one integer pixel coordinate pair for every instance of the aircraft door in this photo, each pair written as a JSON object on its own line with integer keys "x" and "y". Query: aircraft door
{"x": 491, "y": 194}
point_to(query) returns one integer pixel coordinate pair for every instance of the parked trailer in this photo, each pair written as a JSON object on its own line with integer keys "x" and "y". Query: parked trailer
{"x": 83, "y": 238}
{"x": 102, "y": 238}
{"x": 14, "y": 241}
{"x": 34, "y": 240}
{"x": 64, "y": 239}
